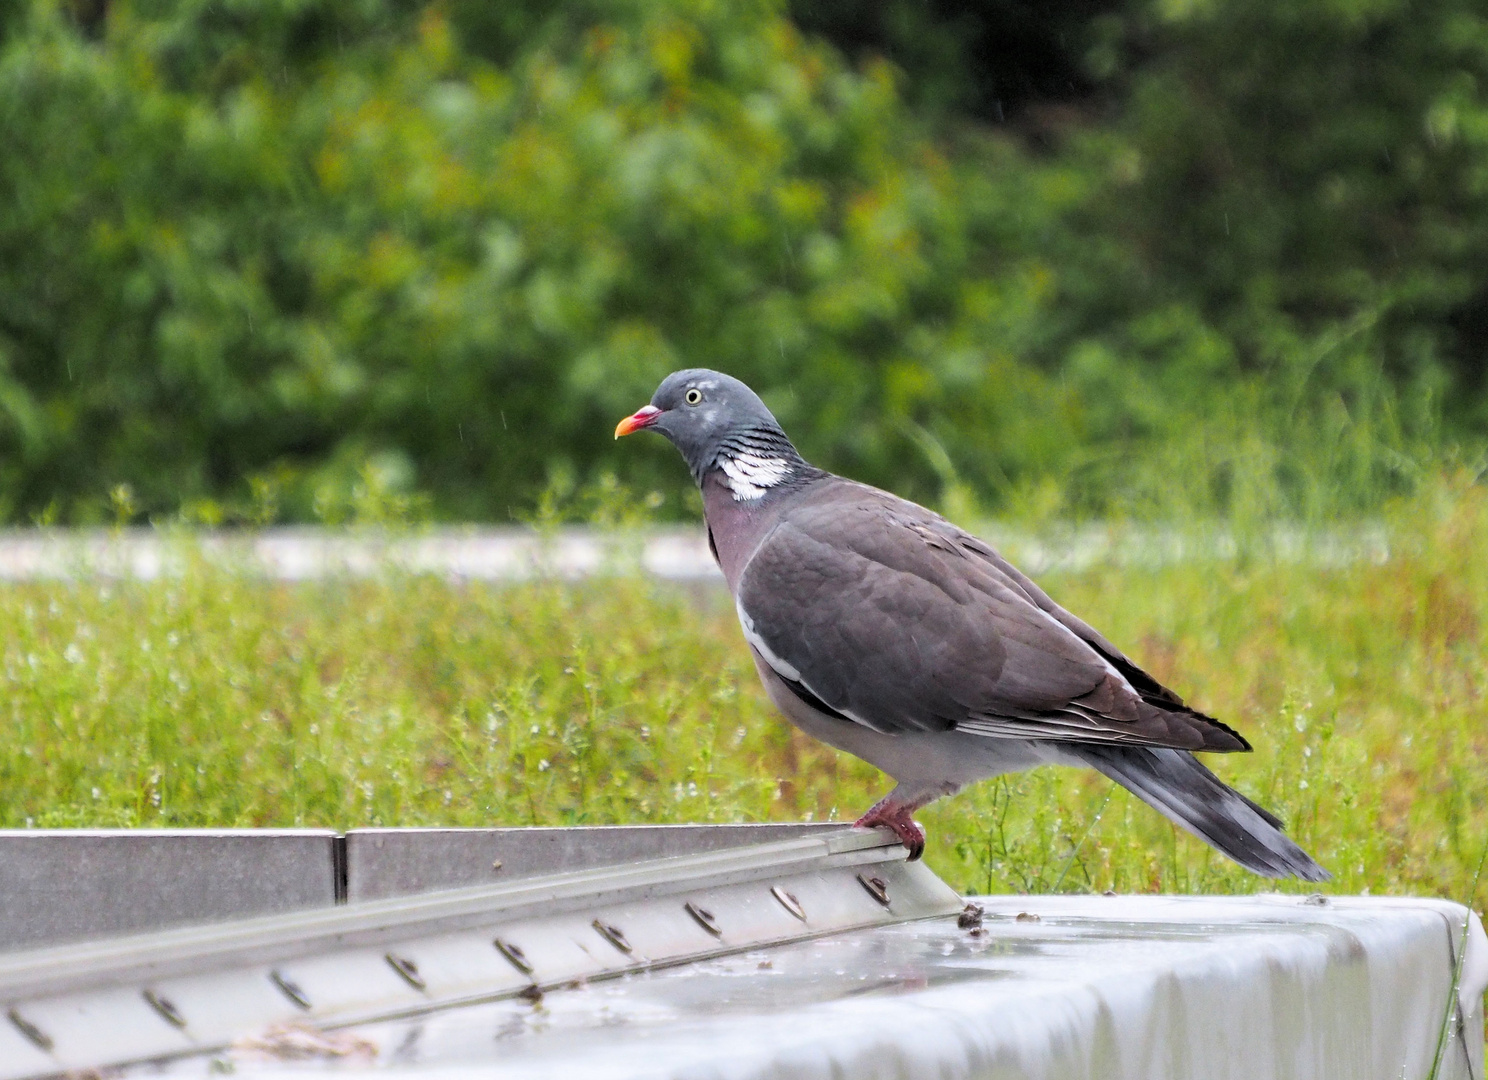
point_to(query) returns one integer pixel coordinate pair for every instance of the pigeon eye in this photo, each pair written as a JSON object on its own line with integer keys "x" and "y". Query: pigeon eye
{"x": 693, "y": 396}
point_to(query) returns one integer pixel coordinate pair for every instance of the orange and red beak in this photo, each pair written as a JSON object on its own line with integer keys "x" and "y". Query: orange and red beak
{"x": 643, "y": 418}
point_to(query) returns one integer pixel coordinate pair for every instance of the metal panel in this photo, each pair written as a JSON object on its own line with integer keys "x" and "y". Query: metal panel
{"x": 70, "y": 885}
{"x": 18, "y": 1052}
{"x": 383, "y": 863}
{"x": 115, "y": 1023}
{"x": 558, "y": 950}
{"x": 509, "y": 980}
{"x": 353, "y": 982}
{"x": 1048, "y": 988}
{"x": 159, "y": 995}
{"x": 216, "y": 1010}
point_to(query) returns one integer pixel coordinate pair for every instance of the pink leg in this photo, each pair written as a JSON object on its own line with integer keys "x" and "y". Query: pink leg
{"x": 888, "y": 813}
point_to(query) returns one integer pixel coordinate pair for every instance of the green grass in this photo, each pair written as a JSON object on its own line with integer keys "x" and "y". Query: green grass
{"x": 218, "y": 699}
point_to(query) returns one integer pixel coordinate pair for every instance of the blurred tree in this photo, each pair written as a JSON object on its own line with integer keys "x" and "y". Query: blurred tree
{"x": 1283, "y": 203}
{"x": 988, "y": 59}
{"x": 252, "y": 253}
{"x": 1297, "y": 165}
{"x": 1319, "y": 159}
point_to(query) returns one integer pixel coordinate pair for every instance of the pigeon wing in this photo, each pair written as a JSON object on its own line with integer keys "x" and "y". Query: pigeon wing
{"x": 873, "y": 609}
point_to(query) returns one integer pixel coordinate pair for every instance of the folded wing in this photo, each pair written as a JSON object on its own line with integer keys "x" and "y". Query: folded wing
{"x": 878, "y": 611}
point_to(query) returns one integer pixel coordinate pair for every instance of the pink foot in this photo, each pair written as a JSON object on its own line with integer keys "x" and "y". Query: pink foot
{"x": 897, "y": 817}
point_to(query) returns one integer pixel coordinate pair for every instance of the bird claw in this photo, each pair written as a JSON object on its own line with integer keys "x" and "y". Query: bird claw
{"x": 898, "y": 818}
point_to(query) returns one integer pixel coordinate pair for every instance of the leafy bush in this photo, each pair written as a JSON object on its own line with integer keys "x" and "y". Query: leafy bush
{"x": 253, "y": 252}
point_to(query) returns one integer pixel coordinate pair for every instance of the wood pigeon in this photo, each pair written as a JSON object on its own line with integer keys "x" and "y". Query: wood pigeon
{"x": 882, "y": 629}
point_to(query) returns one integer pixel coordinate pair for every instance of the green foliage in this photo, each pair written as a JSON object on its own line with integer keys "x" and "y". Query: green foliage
{"x": 252, "y": 253}
{"x": 212, "y": 699}
{"x": 1308, "y": 180}
{"x": 398, "y": 701}
{"x": 232, "y": 246}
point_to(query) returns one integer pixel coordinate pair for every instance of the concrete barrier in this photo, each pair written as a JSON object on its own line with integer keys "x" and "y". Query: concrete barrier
{"x": 64, "y": 885}
{"x": 383, "y": 863}
{"x": 60, "y": 885}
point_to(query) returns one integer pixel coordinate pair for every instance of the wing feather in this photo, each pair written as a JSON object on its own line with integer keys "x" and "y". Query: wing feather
{"x": 892, "y": 617}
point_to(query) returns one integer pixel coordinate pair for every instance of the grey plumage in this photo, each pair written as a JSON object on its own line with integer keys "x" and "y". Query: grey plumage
{"x": 886, "y": 631}
{"x": 1178, "y": 786}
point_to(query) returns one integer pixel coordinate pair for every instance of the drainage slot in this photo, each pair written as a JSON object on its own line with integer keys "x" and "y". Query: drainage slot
{"x": 406, "y": 968}
{"x": 514, "y": 954}
{"x": 290, "y": 989}
{"x": 704, "y": 918}
{"x": 38, "y": 1037}
{"x": 789, "y": 902}
{"x": 877, "y": 888}
{"x": 613, "y": 935}
{"x": 165, "y": 1007}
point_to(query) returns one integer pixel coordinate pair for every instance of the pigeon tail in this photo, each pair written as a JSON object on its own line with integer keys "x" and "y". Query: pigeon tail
{"x": 1179, "y": 787}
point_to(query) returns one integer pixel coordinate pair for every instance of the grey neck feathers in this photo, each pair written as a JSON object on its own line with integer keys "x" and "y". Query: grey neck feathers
{"x": 756, "y": 461}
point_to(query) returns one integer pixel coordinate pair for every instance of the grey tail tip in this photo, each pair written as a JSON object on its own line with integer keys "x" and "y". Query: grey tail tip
{"x": 1178, "y": 786}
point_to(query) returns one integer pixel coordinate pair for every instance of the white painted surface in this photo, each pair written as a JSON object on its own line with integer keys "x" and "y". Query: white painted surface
{"x": 1121, "y": 988}
{"x": 480, "y": 554}
{"x": 679, "y": 553}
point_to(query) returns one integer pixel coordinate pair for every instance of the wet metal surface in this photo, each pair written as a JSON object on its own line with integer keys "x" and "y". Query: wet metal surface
{"x": 1261, "y": 988}
{"x": 152, "y": 997}
{"x": 787, "y": 958}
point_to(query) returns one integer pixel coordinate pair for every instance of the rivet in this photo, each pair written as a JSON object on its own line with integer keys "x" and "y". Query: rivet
{"x": 704, "y": 918}
{"x": 877, "y": 888}
{"x": 514, "y": 954}
{"x": 166, "y": 1008}
{"x": 289, "y": 988}
{"x": 613, "y": 935}
{"x": 30, "y": 1030}
{"x": 789, "y": 902}
{"x": 406, "y": 968}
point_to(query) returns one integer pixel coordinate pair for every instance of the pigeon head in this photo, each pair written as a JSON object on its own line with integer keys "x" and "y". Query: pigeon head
{"x": 717, "y": 422}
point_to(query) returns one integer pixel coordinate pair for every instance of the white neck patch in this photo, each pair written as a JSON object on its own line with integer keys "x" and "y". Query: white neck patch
{"x": 750, "y": 475}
